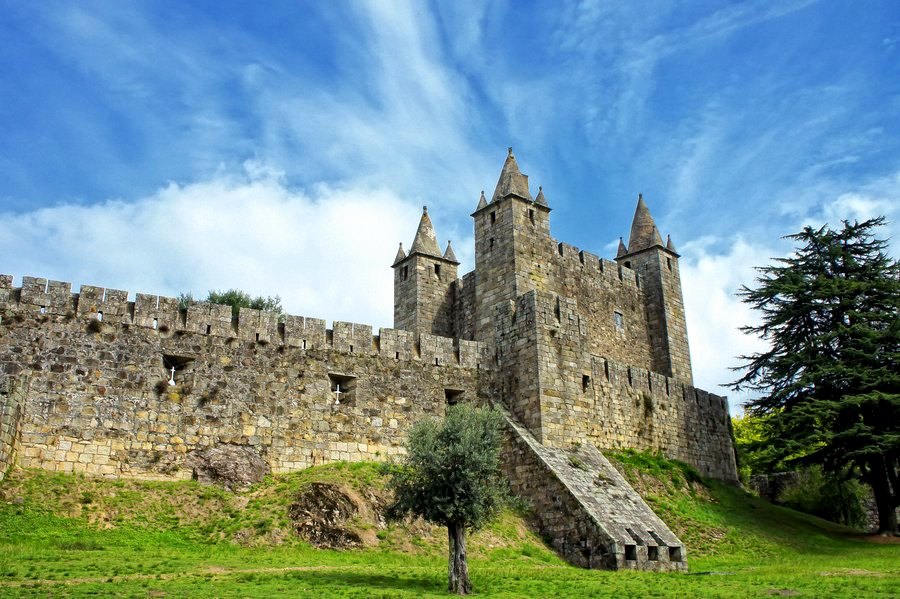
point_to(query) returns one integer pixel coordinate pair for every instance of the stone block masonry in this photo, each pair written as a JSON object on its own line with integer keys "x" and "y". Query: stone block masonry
{"x": 100, "y": 401}
{"x": 12, "y": 399}
{"x": 591, "y": 513}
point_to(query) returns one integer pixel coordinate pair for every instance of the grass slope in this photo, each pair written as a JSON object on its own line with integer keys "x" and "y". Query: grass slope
{"x": 65, "y": 535}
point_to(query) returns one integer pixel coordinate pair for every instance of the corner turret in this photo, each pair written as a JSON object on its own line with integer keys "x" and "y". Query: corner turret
{"x": 424, "y": 281}
{"x": 656, "y": 265}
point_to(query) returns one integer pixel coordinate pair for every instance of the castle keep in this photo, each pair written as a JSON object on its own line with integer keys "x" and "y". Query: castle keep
{"x": 582, "y": 353}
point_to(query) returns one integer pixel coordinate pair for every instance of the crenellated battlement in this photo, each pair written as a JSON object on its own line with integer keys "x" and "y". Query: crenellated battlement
{"x": 587, "y": 264}
{"x": 163, "y": 314}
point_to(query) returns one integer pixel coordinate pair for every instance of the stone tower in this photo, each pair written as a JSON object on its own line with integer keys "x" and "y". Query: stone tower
{"x": 512, "y": 231}
{"x": 424, "y": 282}
{"x": 657, "y": 267}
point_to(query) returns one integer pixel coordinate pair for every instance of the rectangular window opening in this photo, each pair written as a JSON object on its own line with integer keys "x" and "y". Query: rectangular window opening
{"x": 303, "y": 344}
{"x": 183, "y": 373}
{"x": 631, "y": 552}
{"x": 493, "y": 217}
{"x": 531, "y": 216}
{"x": 343, "y": 388}
{"x": 492, "y": 243}
{"x": 351, "y": 348}
{"x": 653, "y": 553}
{"x": 396, "y": 355}
{"x": 100, "y": 315}
{"x": 674, "y": 554}
{"x": 619, "y": 320}
{"x": 669, "y": 263}
{"x": 208, "y": 329}
{"x": 585, "y": 383}
{"x": 155, "y": 323}
{"x": 437, "y": 270}
{"x": 453, "y": 396}
{"x": 405, "y": 272}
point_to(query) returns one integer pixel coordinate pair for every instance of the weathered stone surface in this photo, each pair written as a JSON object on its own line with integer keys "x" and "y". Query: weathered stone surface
{"x": 593, "y": 517}
{"x": 235, "y": 467}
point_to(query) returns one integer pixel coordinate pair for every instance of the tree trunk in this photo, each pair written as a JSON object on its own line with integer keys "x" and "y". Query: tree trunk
{"x": 884, "y": 498}
{"x": 458, "y": 566}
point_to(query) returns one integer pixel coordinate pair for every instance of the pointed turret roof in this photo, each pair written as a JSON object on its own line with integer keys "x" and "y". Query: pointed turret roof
{"x": 540, "y": 199}
{"x": 401, "y": 255}
{"x": 669, "y": 245}
{"x": 622, "y": 249}
{"x": 425, "y": 241}
{"x": 512, "y": 181}
{"x": 482, "y": 202}
{"x": 449, "y": 255}
{"x": 644, "y": 233}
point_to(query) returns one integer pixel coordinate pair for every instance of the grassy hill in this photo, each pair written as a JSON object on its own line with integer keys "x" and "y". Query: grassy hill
{"x": 65, "y": 535}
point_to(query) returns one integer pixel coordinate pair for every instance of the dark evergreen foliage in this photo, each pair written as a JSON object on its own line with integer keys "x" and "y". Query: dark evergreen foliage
{"x": 830, "y": 378}
{"x": 451, "y": 477}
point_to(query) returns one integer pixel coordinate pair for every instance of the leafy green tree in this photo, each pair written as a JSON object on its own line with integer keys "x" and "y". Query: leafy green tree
{"x": 830, "y": 377}
{"x": 835, "y": 496}
{"x": 451, "y": 477}
{"x": 237, "y": 299}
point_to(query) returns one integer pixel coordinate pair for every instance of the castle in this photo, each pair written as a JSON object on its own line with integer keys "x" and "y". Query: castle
{"x": 582, "y": 353}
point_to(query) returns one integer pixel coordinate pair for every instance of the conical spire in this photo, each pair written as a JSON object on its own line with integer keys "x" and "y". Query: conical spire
{"x": 644, "y": 233}
{"x": 622, "y": 249}
{"x": 482, "y": 202}
{"x": 400, "y": 255}
{"x": 540, "y": 199}
{"x": 512, "y": 181}
{"x": 669, "y": 245}
{"x": 425, "y": 241}
{"x": 449, "y": 255}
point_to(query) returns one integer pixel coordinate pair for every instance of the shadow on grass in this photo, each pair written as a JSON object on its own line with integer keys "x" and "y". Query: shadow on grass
{"x": 401, "y": 581}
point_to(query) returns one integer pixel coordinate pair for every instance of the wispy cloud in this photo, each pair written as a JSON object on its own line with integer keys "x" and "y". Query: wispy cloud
{"x": 326, "y": 252}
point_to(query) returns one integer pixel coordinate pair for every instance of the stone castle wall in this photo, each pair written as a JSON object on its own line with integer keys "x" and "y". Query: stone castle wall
{"x": 12, "y": 399}
{"x": 425, "y": 295}
{"x": 575, "y": 396}
{"x": 98, "y": 399}
{"x": 515, "y": 254}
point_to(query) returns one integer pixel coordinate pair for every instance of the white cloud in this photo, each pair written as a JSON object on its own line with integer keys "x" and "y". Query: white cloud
{"x": 710, "y": 280}
{"x": 713, "y": 270}
{"x": 326, "y": 252}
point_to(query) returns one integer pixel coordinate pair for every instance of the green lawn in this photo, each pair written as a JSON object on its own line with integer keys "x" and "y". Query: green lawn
{"x": 73, "y": 536}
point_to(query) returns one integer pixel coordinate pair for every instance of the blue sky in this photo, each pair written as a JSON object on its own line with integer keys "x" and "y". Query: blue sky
{"x": 286, "y": 147}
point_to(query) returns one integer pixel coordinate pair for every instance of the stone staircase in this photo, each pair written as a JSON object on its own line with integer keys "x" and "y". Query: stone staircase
{"x": 586, "y": 509}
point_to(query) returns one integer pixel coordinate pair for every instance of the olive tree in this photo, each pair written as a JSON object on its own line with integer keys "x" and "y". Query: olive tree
{"x": 451, "y": 477}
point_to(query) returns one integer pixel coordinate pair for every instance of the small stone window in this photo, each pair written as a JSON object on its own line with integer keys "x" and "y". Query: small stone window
{"x": 674, "y": 554}
{"x": 493, "y": 217}
{"x": 652, "y": 553}
{"x": 183, "y": 373}
{"x": 631, "y": 552}
{"x": 669, "y": 263}
{"x": 453, "y": 396}
{"x": 343, "y": 388}
{"x": 531, "y": 216}
{"x": 405, "y": 272}
{"x": 628, "y": 265}
{"x": 492, "y": 243}
{"x": 619, "y": 320}
{"x": 437, "y": 270}
{"x": 585, "y": 383}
